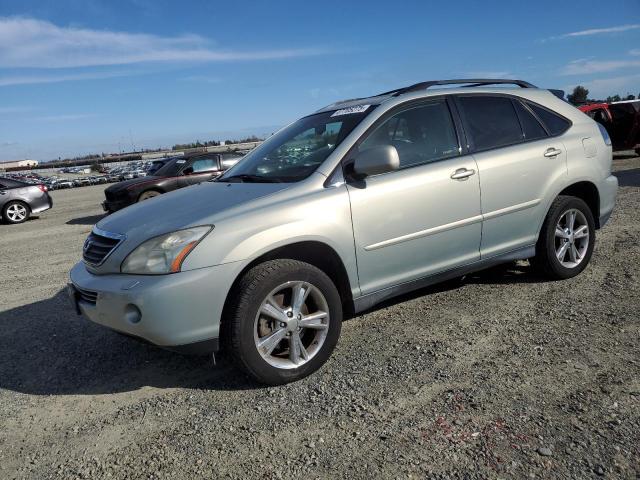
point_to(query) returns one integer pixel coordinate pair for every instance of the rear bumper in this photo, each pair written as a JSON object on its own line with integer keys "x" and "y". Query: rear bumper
{"x": 44, "y": 203}
{"x": 608, "y": 191}
{"x": 179, "y": 311}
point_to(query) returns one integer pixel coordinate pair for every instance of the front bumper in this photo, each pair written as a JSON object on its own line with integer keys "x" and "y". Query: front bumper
{"x": 179, "y": 311}
{"x": 115, "y": 205}
{"x": 608, "y": 191}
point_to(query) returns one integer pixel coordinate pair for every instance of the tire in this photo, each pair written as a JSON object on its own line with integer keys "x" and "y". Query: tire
{"x": 550, "y": 259}
{"x": 15, "y": 212}
{"x": 148, "y": 194}
{"x": 244, "y": 326}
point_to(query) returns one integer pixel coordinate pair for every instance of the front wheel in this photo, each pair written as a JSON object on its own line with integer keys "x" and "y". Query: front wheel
{"x": 15, "y": 212}
{"x": 567, "y": 238}
{"x": 284, "y": 321}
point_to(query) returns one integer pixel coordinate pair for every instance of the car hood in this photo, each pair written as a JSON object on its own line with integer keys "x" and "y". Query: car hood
{"x": 187, "y": 207}
{"x": 116, "y": 187}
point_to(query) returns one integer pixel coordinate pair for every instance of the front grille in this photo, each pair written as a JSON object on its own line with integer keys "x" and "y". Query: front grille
{"x": 98, "y": 247}
{"x": 87, "y": 296}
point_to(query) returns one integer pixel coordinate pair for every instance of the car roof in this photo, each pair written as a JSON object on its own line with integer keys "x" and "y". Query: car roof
{"x": 425, "y": 89}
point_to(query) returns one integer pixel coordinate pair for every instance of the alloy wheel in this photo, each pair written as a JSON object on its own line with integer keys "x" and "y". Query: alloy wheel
{"x": 291, "y": 324}
{"x": 16, "y": 212}
{"x": 571, "y": 238}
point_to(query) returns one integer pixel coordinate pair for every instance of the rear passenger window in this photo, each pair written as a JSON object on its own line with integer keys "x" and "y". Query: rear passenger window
{"x": 421, "y": 134}
{"x": 530, "y": 125}
{"x": 491, "y": 121}
{"x": 554, "y": 122}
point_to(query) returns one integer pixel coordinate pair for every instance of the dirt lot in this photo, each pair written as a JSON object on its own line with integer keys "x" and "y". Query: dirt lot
{"x": 502, "y": 374}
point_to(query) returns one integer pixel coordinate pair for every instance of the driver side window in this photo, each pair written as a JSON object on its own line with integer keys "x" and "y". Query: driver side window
{"x": 204, "y": 165}
{"x": 421, "y": 134}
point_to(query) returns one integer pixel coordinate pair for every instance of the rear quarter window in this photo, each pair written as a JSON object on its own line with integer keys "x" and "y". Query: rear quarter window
{"x": 556, "y": 124}
{"x": 530, "y": 125}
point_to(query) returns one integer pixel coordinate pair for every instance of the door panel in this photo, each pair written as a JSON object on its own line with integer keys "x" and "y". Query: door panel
{"x": 514, "y": 181}
{"x": 415, "y": 222}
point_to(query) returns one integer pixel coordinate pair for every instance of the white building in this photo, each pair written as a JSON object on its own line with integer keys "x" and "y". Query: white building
{"x": 18, "y": 164}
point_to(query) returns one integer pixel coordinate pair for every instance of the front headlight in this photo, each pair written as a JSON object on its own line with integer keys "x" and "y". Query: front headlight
{"x": 164, "y": 254}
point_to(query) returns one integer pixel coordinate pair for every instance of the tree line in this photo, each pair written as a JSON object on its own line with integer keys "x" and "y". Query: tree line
{"x": 580, "y": 96}
{"x": 214, "y": 143}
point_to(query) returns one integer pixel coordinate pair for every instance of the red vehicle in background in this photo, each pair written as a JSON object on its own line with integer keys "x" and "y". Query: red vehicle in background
{"x": 622, "y": 121}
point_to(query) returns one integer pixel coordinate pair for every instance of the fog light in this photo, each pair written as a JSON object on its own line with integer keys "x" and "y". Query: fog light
{"x": 132, "y": 314}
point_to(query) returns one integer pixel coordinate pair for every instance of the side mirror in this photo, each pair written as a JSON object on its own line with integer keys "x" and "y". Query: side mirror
{"x": 376, "y": 160}
{"x": 187, "y": 171}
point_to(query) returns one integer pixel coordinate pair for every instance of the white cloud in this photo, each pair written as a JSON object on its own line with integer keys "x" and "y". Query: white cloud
{"x": 583, "y": 66}
{"x": 595, "y": 31}
{"x": 599, "y": 31}
{"x": 635, "y": 51}
{"x": 32, "y": 43}
{"x": 46, "y": 78}
{"x": 65, "y": 117}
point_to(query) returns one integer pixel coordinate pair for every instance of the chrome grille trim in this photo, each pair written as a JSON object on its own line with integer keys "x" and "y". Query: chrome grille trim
{"x": 99, "y": 245}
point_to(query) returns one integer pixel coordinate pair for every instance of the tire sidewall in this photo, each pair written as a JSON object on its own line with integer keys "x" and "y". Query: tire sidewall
{"x": 247, "y": 312}
{"x": 558, "y": 269}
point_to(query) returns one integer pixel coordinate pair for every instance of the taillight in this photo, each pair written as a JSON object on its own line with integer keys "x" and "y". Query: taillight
{"x": 43, "y": 188}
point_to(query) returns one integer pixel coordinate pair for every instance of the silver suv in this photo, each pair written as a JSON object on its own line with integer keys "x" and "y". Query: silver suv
{"x": 361, "y": 201}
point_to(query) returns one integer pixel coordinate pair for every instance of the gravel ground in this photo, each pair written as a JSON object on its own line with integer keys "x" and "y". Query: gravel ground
{"x": 501, "y": 374}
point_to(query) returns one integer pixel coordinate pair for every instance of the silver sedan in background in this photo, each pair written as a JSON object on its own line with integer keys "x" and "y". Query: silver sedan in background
{"x": 18, "y": 200}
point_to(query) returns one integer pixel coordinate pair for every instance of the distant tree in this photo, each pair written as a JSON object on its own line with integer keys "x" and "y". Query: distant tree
{"x": 630, "y": 97}
{"x": 578, "y": 96}
{"x": 616, "y": 98}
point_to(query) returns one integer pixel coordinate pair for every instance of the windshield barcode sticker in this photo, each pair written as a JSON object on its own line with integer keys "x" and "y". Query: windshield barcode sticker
{"x": 350, "y": 110}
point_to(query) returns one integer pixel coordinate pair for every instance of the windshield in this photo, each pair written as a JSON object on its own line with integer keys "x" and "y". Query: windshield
{"x": 171, "y": 168}
{"x": 295, "y": 152}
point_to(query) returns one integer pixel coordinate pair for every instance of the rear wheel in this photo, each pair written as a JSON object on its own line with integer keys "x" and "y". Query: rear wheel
{"x": 567, "y": 238}
{"x": 16, "y": 212}
{"x": 148, "y": 194}
{"x": 284, "y": 321}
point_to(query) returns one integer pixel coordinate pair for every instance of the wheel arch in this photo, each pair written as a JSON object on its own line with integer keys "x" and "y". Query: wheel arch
{"x": 587, "y": 191}
{"x": 313, "y": 252}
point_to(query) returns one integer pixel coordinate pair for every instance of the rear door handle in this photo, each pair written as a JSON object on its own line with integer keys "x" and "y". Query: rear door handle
{"x": 462, "y": 174}
{"x": 552, "y": 152}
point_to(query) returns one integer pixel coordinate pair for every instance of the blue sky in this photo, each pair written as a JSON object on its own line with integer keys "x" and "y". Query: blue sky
{"x": 83, "y": 76}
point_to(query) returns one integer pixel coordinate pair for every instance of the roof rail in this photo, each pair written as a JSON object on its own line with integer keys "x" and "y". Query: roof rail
{"x": 469, "y": 82}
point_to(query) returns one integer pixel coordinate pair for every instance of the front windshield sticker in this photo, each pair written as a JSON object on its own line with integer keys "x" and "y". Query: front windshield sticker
{"x": 350, "y": 110}
{"x": 181, "y": 161}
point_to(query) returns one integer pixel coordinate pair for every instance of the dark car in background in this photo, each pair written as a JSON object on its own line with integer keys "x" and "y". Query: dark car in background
{"x": 177, "y": 172}
{"x": 621, "y": 120}
{"x": 18, "y": 200}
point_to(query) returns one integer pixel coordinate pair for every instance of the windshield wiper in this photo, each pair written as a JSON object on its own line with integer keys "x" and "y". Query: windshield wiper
{"x": 247, "y": 178}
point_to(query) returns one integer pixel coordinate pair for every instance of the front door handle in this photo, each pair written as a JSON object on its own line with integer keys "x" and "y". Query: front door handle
{"x": 552, "y": 152}
{"x": 462, "y": 174}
